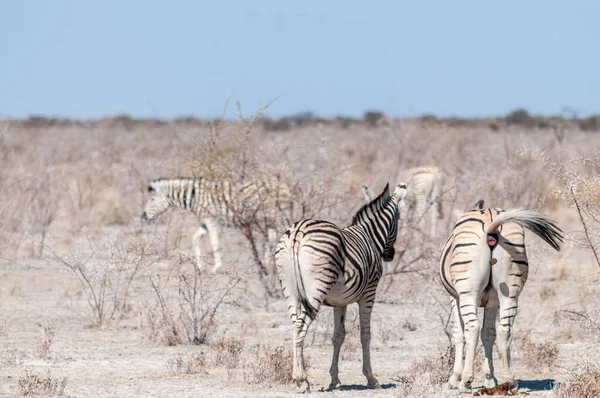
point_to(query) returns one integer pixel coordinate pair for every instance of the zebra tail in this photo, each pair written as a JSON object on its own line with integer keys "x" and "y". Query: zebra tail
{"x": 533, "y": 221}
{"x": 311, "y": 311}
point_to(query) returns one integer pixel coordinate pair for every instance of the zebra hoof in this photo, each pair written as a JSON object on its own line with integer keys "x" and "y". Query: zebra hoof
{"x": 302, "y": 387}
{"x": 453, "y": 382}
{"x": 334, "y": 386}
{"x": 373, "y": 384}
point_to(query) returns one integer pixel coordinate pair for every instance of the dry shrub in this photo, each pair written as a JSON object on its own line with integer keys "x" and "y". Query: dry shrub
{"x": 228, "y": 353}
{"x": 191, "y": 364}
{"x": 538, "y": 355}
{"x": 107, "y": 270}
{"x": 418, "y": 385}
{"x": 426, "y": 376}
{"x": 32, "y": 384}
{"x": 270, "y": 365}
{"x": 547, "y": 292}
{"x": 46, "y": 340}
{"x": 186, "y": 302}
{"x": 584, "y": 381}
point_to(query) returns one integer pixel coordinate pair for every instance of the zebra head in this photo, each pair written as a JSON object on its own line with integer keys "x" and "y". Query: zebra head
{"x": 388, "y": 203}
{"x": 389, "y": 251}
{"x": 156, "y": 205}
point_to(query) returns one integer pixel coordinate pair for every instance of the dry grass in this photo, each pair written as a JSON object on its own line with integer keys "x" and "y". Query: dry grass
{"x": 227, "y": 352}
{"x": 268, "y": 365}
{"x": 538, "y": 356}
{"x": 191, "y": 364}
{"x": 584, "y": 381}
{"x": 426, "y": 378}
{"x": 46, "y": 340}
{"x": 47, "y": 386}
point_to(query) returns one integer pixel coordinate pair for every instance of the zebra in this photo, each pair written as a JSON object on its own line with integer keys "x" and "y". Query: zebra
{"x": 424, "y": 184}
{"x": 217, "y": 204}
{"x": 319, "y": 263}
{"x": 484, "y": 264}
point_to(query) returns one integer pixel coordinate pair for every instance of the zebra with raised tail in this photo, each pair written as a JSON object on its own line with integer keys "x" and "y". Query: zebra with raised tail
{"x": 321, "y": 264}
{"x": 217, "y": 204}
{"x": 484, "y": 264}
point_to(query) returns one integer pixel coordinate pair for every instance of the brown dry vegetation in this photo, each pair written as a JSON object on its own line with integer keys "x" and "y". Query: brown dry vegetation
{"x": 114, "y": 307}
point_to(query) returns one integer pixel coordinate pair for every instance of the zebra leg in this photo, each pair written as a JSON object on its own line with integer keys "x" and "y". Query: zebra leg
{"x": 488, "y": 337}
{"x": 269, "y": 247}
{"x": 300, "y": 327}
{"x": 468, "y": 313}
{"x": 339, "y": 334}
{"x": 504, "y": 327}
{"x": 196, "y": 244}
{"x": 364, "y": 309}
{"x": 458, "y": 340}
{"x": 214, "y": 231}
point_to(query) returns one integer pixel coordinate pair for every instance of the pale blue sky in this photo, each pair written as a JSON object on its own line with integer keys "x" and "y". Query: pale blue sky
{"x": 77, "y": 58}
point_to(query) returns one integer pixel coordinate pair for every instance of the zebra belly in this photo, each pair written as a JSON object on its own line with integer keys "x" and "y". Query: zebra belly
{"x": 340, "y": 296}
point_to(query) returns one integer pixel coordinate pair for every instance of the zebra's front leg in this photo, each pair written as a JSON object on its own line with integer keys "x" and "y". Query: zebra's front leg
{"x": 458, "y": 340}
{"x": 339, "y": 334}
{"x": 203, "y": 230}
{"x": 365, "y": 308}
{"x": 214, "y": 231}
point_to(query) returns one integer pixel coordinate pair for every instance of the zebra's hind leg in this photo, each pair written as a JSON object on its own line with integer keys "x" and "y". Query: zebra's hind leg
{"x": 458, "y": 340}
{"x": 339, "y": 334}
{"x": 364, "y": 309}
{"x": 214, "y": 232}
{"x": 468, "y": 313}
{"x": 300, "y": 327}
{"x": 504, "y": 328}
{"x": 488, "y": 337}
{"x": 203, "y": 230}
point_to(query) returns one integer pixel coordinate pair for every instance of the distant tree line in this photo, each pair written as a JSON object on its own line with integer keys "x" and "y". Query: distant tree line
{"x": 371, "y": 119}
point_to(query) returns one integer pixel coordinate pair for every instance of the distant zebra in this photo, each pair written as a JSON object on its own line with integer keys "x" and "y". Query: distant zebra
{"x": 484, "y": 264}
{"x": 215, "y": 203}
{"x": 320, "y": 264}
{"x": 424, "y": 187}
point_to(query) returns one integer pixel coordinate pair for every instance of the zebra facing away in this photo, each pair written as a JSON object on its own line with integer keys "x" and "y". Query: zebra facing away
{"x": 484, "y": 264}
{"x": 424, "y": 185}
{"x": 213, "y": 202}
{"x": 321, "y": 264}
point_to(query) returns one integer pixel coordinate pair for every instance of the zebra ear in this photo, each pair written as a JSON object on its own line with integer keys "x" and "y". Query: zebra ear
{"x": 477, "y": 206}
{"x": 369, "y": 195}
{"x": 400, "y": 191}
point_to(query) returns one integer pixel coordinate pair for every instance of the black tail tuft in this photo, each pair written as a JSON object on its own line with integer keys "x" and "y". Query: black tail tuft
{"x": 310, "y": 310}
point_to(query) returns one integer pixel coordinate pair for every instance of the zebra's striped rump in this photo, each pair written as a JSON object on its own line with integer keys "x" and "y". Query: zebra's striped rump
{"x": 484, "y": 264}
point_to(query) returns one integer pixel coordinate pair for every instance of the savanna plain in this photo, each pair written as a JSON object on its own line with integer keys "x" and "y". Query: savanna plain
{"x": 96, "y": 302}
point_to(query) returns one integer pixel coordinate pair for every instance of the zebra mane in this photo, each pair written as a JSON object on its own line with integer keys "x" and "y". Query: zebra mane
{"x": 374, "y": 206}
{"x": 162, "y": 182}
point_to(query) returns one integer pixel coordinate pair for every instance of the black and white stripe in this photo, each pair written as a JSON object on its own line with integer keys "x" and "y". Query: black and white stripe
{"x": 216, "y": 203}
{"x": 321, "y": 264}
{"x": 484, "y": 264}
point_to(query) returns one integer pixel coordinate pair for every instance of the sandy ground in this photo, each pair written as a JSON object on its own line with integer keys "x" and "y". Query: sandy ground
{"x": 120, "y": 361}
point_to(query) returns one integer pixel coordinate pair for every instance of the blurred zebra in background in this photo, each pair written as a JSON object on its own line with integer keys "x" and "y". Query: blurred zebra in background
{"x": 222, "y": 203}
{"x": 484, "y": 264}
{"x": 321, "y": 264}
{"x": 424, "y": 187}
